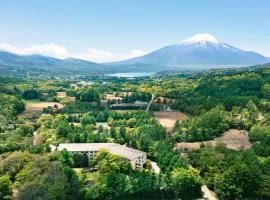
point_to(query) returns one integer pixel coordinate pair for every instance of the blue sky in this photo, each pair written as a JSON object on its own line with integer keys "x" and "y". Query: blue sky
{"x": 113, "y": 30}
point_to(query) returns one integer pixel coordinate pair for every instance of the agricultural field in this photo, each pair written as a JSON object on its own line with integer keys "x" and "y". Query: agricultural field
{"x": 38, "y": 106}
{"x": 168, "y": 118}
{"x": 34, "y": 109}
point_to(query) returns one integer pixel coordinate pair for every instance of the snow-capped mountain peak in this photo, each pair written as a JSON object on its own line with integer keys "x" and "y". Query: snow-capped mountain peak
{"x": 199, "y": 50}
{"x": 202, "y": 38}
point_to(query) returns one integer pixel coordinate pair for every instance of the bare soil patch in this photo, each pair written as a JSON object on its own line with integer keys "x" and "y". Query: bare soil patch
{"x": 233, "y": 138}
{"x": 168, "y": 118}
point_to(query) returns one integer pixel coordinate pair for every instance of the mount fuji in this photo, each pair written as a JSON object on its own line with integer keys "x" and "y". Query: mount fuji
{"x": 200, "y": 51}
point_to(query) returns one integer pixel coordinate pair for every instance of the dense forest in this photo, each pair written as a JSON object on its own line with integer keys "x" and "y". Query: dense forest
{"x": 71, "y": 112}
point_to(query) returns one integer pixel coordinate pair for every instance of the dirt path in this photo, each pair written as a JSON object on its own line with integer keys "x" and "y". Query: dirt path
{"x": 150, "y": 103}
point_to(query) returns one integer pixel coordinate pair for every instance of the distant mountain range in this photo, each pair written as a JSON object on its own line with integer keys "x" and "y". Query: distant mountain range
{"x": 43, "y": 62}
{"x": 11, "y": 64}
{"x": 202, "y": 51}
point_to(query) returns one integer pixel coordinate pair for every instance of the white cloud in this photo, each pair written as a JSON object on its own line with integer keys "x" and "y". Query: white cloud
{"x": 97, "y": 55}
{"x": 137, "y": 53}
{"x": 57, "y": 51}
{"x": 52, "y": 50}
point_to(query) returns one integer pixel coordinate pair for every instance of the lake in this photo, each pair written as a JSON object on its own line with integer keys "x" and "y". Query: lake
{"x": 131, "y": 74}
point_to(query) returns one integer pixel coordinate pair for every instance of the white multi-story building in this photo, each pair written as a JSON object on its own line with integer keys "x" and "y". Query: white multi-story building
{"x": 137, "y": 158}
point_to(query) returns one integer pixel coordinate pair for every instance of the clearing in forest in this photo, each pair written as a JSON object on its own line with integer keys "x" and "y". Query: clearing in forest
{"x": 168, "y": 118}
{"x": 233, "y": 138}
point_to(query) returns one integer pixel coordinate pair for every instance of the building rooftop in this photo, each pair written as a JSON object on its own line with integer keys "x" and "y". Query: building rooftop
{"x": 114, "y": 148}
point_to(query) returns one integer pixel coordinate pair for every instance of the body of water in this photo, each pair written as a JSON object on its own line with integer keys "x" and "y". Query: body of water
{"x": 131, "y": 74}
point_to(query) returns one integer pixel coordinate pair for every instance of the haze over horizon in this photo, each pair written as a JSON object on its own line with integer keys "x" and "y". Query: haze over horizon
{"x": 103, "y": 32}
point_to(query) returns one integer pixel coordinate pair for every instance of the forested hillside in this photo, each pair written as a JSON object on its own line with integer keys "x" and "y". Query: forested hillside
{"x": 37, "y": 115}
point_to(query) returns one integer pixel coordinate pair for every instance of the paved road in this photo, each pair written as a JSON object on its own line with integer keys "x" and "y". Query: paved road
{"x": 155, "y": 167}
{"x": 150, "y": 103}
{"x": 207, "y": 195}
{"x": 35, "y": 137}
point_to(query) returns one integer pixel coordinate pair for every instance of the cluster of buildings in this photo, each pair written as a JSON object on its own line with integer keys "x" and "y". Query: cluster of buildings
{"x": 136, "y": 104}
{"x": 81, "y": 84}
{"x": 137, "y": 158}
